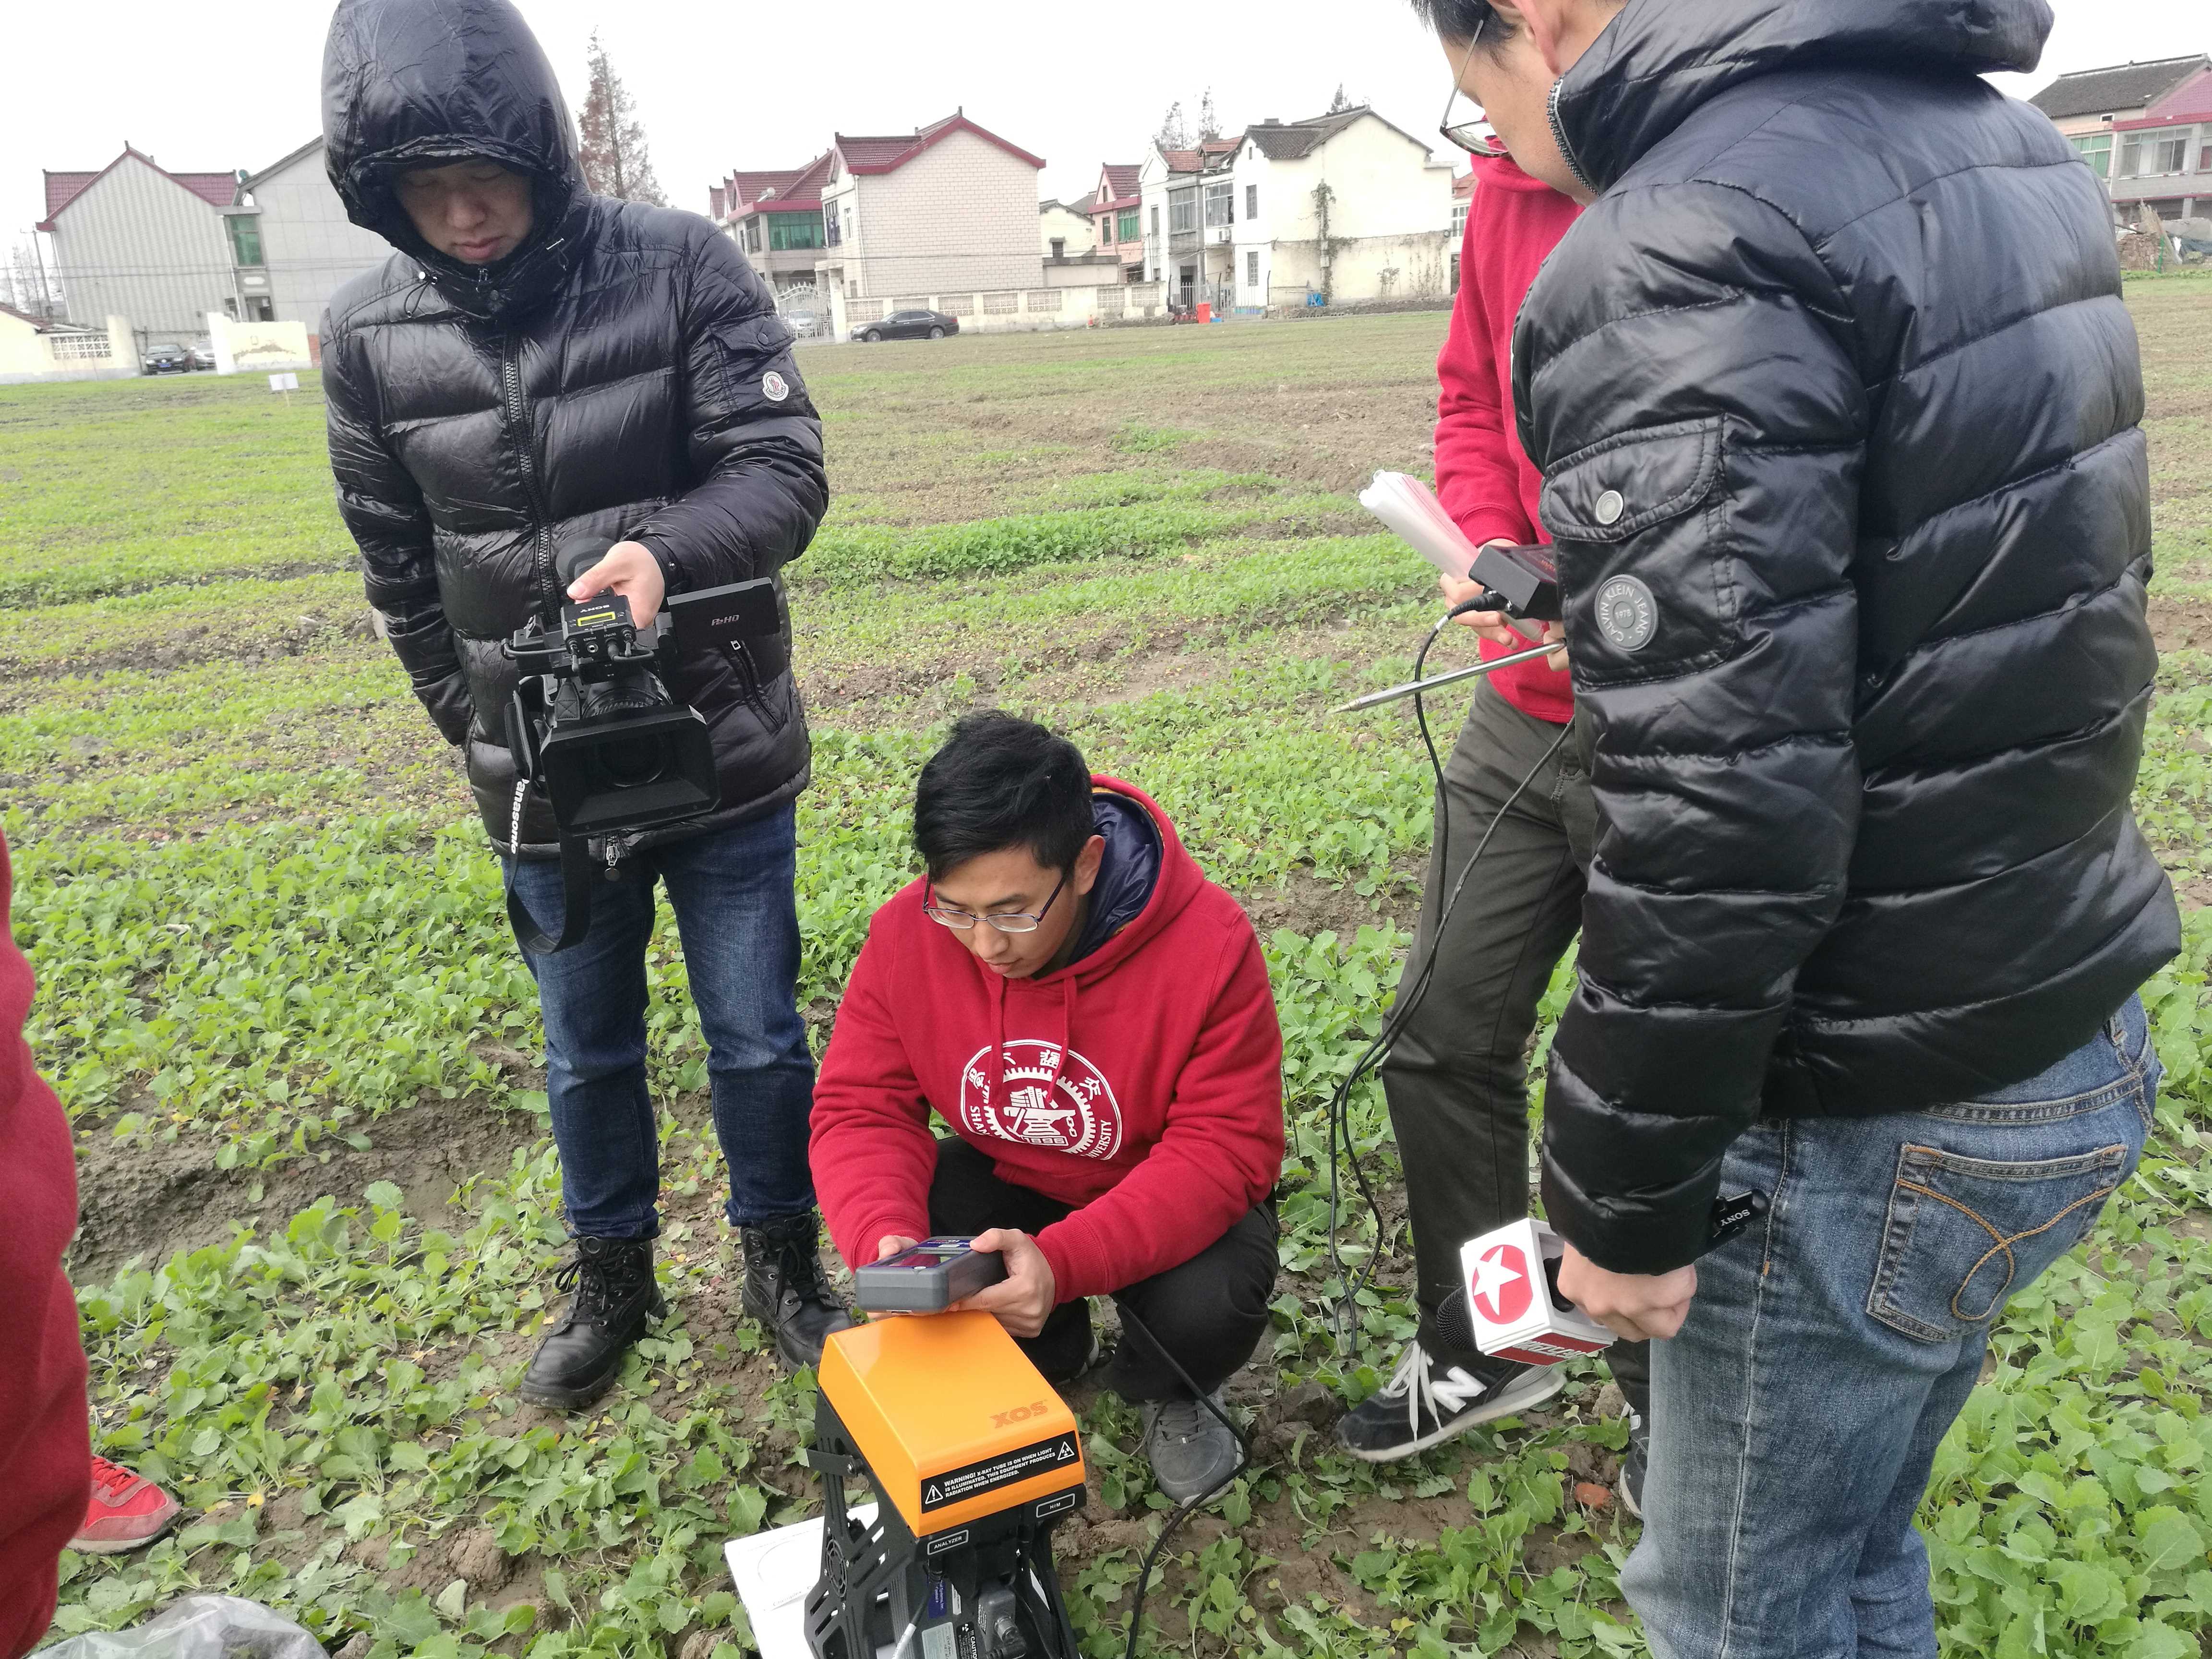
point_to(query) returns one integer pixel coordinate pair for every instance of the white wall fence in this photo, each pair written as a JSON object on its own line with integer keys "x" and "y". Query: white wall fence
{"x": 1007, "y": 311}
{"x": 106, "y": 354}
{"x": 256, "y": 347}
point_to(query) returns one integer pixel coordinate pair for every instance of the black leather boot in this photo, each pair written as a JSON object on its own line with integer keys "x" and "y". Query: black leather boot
{"x": 612, "y": 1296}
{"x": 784, "y": 1289}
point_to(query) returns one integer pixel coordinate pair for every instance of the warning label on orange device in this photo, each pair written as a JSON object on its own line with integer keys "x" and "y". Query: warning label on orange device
{"x": 1006, "y": 1470}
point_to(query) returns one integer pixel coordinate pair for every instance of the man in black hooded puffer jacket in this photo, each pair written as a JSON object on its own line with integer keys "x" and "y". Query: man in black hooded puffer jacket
{"x": 1837, "y": 405}
{"x": 540, "y": 374}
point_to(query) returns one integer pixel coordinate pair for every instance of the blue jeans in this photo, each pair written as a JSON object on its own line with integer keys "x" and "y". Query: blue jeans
{"x": 1795, "y": 1415}
{"x": 731, "y": 893}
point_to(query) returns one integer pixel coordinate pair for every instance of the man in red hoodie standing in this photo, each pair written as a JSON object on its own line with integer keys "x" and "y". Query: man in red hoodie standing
{"x": 1456, "y": 1080}
{"x": 1093, "y": 1018}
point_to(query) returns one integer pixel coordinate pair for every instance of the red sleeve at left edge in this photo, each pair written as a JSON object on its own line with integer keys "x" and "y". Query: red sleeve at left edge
{"x": 46, "y": 1454}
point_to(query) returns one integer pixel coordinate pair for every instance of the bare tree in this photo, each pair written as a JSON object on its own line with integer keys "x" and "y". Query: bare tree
{"x": 1175, "y": 131}
{"x": 28, "y": 287}
{"x": 1209, "y": 125}
{"x": 612, "y": 139}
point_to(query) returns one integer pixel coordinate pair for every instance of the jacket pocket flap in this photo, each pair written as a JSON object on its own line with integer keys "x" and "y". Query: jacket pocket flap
{"x": 1609, "y": 491}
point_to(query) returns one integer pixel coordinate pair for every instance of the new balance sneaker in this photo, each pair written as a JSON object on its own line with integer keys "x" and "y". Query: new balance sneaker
{"x": 125, "y": 1512}
{"x": 1634, "y": 1462}
{"x": 1429, "y": 1399}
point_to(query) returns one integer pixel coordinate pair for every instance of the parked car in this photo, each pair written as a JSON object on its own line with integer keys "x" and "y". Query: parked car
{"x": 203, "y": 353}
{"x": 167, "y": 360}
{"x": 909, "y": 325}
{"x": 806, "y": 325}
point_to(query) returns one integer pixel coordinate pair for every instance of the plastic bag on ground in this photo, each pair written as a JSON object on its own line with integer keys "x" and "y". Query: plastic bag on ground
{"x": 197, "y": 1627}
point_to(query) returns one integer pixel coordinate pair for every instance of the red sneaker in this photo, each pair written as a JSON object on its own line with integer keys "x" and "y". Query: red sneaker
{"x": 126, "y": 1511}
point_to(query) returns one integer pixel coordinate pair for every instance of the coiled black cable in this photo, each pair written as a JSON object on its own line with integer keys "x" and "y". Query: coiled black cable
{"x": 1340, "y": 1122}
{"x": 1343, "y": 1315}
{"x": 1189, "y": 1505}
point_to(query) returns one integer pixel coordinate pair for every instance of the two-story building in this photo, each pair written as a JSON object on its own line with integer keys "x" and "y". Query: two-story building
{"x": 949, "y": 207}
{"x": 775, "y": 217}
{"x": 2162, "y": 159}
{"x": 2088, "y": 105}
{"x": 1173, "y": 198}
{"x": 293, "y": 243}
{"x": 135, "y": 240}
{"x": 1116, "y": 211}
{"x": 1345, "y": 206}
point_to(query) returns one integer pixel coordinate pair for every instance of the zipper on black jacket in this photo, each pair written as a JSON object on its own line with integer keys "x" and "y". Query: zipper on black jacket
{"x": 1560, "y": 137}
{"x": 517, "y": 415}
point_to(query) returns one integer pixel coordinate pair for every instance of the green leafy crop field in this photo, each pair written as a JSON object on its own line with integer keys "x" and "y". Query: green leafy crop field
{"x": 302, "y": 1058}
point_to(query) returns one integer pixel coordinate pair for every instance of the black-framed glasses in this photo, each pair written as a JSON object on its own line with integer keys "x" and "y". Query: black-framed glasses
{"x": 1012, "y": 922}
{"x": 1474, "y": 135}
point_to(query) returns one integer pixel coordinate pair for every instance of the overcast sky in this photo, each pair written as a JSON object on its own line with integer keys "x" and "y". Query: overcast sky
{"x": 201, "y": 86}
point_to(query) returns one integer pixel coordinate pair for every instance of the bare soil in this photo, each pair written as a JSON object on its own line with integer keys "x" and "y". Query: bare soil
{"x": 2178, "y": 624}
{"x": 146, "y": 1200}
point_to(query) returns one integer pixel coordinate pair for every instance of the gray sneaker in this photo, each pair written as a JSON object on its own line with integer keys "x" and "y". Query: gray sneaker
{"x": 1191, "y": 1450}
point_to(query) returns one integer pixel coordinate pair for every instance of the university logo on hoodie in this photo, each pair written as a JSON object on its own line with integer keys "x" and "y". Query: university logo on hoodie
{"x": 1055, "y": 1100}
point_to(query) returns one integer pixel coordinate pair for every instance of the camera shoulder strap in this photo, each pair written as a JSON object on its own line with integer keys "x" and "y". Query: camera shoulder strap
{"x": 577, "y": 873}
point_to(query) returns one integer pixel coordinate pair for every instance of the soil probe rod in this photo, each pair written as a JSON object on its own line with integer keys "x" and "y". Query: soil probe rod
{"x": 1374, "y": 699}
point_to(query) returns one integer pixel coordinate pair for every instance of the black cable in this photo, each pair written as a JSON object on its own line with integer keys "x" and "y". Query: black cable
{"x": 1343, "y": 1316}
{"x": 1190, "y": 1505}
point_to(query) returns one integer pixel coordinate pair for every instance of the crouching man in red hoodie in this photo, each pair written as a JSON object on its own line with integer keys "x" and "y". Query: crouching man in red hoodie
{"x": 1093, "y": 1018}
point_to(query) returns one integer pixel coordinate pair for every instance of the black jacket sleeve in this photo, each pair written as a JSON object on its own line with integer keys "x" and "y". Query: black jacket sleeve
{"x": 1697, "y": 371}
{"x": 754, "y": 440}
{"x": 383, "y": 508}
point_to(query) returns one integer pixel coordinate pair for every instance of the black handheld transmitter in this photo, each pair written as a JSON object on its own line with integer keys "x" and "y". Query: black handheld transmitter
{"x": 1522, "y": 582}
{"x": 928, "y": 1277}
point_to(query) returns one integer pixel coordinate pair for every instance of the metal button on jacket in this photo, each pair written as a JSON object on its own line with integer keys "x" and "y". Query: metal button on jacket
{"x": 1608, "y": 508}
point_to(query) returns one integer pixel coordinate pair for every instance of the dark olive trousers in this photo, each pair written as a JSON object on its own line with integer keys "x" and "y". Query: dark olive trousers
{"x": 1455, "y": 1079}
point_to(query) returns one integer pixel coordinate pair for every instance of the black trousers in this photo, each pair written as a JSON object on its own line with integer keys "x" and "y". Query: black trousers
{"x": 1210, "y": 1312}
{"x": 1455, "y": 1081}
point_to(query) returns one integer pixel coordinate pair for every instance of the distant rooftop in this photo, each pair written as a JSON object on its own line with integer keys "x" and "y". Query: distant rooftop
{"x": 2116, "y": 87}
{"x": 771, "y": 190}
{"x": 867, "y": 152}
{"x": 1286, "y": 141}
{"x": 216, "y": 189}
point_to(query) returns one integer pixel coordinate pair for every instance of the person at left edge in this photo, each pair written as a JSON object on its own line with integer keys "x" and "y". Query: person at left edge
{"x": 1092, "y": 1017}
{"x": 537, "y": 367}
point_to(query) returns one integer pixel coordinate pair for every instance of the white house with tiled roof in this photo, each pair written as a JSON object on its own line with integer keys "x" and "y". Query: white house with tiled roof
{"x": 135, "y": 238}
{"x": 1181, "y": 193}
{"x": 1345, "y": 205}
{"x": 776, "y": 216}
{"x": 2143, "y": 128}
{"x": 948, "y": 207}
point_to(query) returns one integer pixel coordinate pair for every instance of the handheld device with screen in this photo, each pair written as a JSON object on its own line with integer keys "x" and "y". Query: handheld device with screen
{"x": 928, "y": 1278}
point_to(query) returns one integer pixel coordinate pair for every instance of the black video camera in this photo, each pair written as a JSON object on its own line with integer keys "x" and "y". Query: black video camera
{"x": 594, "y": 729}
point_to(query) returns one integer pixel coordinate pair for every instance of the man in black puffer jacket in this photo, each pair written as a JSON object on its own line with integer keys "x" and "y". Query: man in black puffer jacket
{"x": 1836, "y": 402}
{"x": 538, "y": 374}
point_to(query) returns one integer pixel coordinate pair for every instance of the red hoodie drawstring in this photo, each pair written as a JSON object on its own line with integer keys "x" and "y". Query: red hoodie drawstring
{"x": 999, "y": 998}
{"x": 997, "y": 1102}
{"x": 1066, "y": 1031}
